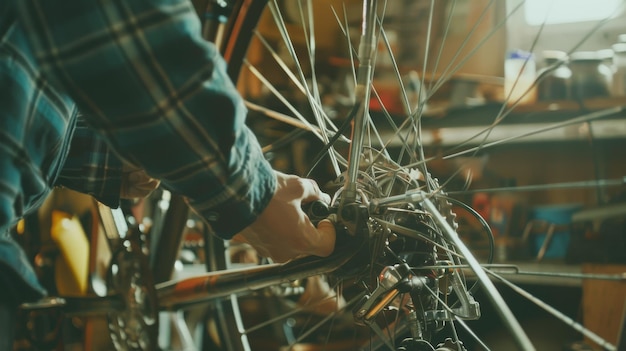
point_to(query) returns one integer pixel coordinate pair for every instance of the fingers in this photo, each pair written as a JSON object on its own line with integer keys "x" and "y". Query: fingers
{"x": 281, "y": 246}
{"x": 283, "y": 231}
{"x": 301, "y": 189}
{"x": 312, "y": 192}
{"x": 318, "y": 241}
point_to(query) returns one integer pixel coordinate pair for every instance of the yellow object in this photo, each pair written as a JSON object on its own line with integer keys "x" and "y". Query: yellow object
{"x": 20, "y": 227}
{"x": 72, "y": 265}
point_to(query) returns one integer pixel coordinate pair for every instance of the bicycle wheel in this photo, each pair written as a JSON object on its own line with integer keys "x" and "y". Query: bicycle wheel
{"x": 370, "y": 121}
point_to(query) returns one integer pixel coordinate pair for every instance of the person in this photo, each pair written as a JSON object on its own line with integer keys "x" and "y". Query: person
{"x": 155, "y": 103}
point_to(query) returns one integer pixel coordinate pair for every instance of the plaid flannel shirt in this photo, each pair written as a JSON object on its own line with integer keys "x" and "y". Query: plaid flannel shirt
{"x": 151, "y": 89}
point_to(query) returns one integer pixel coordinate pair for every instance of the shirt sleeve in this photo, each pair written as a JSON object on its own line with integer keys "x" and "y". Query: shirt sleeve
{"x": 159, "y": 95}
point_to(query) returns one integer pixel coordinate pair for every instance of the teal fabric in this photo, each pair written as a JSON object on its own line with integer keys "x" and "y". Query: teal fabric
{"x": 150, "y": 90}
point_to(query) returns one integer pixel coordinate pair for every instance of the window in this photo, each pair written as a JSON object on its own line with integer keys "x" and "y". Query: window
{"x": 538, "y": 12}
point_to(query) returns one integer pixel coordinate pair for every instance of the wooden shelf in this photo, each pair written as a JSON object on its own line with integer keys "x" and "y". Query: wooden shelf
{"x": 542, "y": 122}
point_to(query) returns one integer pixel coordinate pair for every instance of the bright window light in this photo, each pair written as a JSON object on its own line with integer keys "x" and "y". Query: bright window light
{"x": 570, "y": 11}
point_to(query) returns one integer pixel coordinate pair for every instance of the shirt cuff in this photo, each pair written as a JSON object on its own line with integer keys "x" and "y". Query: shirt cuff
{"x": 237, "y": 212}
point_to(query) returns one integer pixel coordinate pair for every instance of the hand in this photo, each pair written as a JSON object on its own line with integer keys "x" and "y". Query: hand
{"x": 136, "y": 183}
{"x": 283, "y": 231}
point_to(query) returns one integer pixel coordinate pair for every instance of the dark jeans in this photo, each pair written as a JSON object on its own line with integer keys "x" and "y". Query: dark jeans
{"x": 18, "y": 284}
{"x": 8, "y": 316}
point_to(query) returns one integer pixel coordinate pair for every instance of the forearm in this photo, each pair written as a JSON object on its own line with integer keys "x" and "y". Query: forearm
{"x": 159, "y": 95}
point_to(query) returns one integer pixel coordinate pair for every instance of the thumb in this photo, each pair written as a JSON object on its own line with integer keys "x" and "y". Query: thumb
{"x": 327, "y": 237}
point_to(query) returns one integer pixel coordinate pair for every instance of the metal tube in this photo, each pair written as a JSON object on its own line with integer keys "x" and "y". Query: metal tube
{"x": 221, "y": 284}
{"x": 367, "y": 47}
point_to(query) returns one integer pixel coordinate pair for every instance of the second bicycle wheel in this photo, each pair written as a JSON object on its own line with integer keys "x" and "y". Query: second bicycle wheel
{"x": 362, "y": 112}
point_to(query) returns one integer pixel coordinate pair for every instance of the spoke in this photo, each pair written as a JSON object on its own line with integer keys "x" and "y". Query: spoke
{"x": 397, "y": 130}
{"x": 449, "y": 71}
{"x": 444, "y": 304}
{"x": 284, "y": 32}
{"x": 507, "y": 107}
{"x": 396, "y": 70}
{"x": 238, "y": 319}
{"x": 316, "y": 104}
{"x": 381, "y": 335}
{"x": 282, "y": 27}
{"x": 326, "y": 319}
{"x": 396, "y": 321}
{"x": 294, "y": 311}
{"x": 343, "y": 26}
{"x": 283, "y": 99}
{"x": 503, "y": 113}
{"x": 300, "y": 121}
{"x": 427, "y": 46}
{"x": 556, "y": 313}
{"x": 508, "y": 318}
{"x": 310, "y": 40}
{"x": 471, "y": 333}
{"x": 507, "y": 99}
{"x": 383, "y": 150}
{"x": 416, "y": 235}
{"x": 295, "y": 122}
{"x": 442, "y": 44}
{"x": 281, "y": 63}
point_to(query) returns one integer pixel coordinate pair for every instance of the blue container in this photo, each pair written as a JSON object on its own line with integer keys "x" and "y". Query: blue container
{"x": 561, "y": 216}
